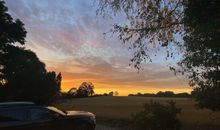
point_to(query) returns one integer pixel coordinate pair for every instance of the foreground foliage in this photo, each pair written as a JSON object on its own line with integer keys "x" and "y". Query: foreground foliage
{"x": 156, "y": 116}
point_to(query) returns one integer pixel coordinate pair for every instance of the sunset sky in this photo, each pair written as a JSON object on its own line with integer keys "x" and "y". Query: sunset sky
{"x": 67, "y": 36}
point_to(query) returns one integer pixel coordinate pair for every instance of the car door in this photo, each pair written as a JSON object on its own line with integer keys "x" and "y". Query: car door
{"x": 13, "y": 118}
{"x": 45, "y": 119}
{"x": 41, "y": 118}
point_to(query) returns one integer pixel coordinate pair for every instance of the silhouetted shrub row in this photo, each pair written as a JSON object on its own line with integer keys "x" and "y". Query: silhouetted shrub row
{"x": 162, "y": 94}
{"x": 82, "y": 92}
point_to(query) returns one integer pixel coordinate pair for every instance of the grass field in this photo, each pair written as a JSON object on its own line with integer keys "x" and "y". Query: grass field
{"x": 123, "y": 107}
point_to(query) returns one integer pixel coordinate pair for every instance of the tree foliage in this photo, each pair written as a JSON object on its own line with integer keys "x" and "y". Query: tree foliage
{"x": 190, "y": 25}
{"x": 151, "y": 24}
{"x": 11, "y": 31}
{"x": 202, "y": 58}
{"x": 25, "y": 78}
{"x": 156, "y": 116}
{"x": 72, "y": 91}
{"x": 113, "y": 93}
{"x": 22, "y": 75}
{"x": 86, "y": 89}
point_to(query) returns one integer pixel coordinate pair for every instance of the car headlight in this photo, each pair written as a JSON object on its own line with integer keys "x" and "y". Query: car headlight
{"x": 93, "y": 118}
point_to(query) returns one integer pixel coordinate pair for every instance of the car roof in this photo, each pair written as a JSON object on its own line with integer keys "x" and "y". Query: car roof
{"x": 13, "y": 104}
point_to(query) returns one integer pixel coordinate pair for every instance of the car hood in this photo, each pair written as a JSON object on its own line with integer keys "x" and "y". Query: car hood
{"x": 80, "y": 113}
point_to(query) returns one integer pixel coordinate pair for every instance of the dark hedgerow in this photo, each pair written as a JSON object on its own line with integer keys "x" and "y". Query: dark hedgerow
{"x": 156, "y": 116}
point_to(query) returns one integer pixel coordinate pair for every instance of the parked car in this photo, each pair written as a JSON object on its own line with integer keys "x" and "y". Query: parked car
{"x": 29, "y": 116}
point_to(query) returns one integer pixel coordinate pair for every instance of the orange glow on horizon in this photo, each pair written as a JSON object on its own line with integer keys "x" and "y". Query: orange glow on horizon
{"x": 122, "y": 90}
{"x": 122, "y": 86}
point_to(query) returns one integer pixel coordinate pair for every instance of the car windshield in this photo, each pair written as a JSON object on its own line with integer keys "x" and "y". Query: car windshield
{"x": 56, "y": 110}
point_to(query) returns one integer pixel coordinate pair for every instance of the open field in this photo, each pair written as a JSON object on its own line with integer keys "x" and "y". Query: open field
{"x": 121, "y": 108}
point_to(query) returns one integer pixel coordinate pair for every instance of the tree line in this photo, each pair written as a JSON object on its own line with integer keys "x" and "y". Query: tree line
{"x": 162, "y": 94}
{"x": 86, "y": 89}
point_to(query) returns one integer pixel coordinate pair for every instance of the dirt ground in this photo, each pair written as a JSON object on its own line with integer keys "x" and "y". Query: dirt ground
{"x": 115, "y": 112}
{"x": 103, "y": 127}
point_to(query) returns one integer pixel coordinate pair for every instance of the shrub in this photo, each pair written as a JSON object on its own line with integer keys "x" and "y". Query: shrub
{"x": 156, "y": 116}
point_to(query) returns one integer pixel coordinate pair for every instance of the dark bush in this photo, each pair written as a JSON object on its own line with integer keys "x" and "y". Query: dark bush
{"x": 156, "y": 116}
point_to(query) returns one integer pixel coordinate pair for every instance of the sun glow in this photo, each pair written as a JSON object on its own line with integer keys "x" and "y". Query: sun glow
{"x": 123, "y": 90}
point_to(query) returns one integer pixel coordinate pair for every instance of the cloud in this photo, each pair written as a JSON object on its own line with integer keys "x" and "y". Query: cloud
{"x": 108, "y": 73}
{"x": 68, "y": 37}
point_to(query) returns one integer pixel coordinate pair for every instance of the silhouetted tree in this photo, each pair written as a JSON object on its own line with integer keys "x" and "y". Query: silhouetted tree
{"x": 11, "y": 31}
{"x": 131, "y": 95}
{"x": 165, "y": 94}
{"x": 139, "y": 94}
{"x": 202, "y": 42}
{"x": 86, "y": 89}
{"x": 111, "y": 93}
{"x": 116, "y": 93}
{"x": 25, "y": 78}
{"x": 105, "y": 94}
{"x": 159, "y": 23}
{"x": 72, "y": 92}
{"x": 22, "y": 75}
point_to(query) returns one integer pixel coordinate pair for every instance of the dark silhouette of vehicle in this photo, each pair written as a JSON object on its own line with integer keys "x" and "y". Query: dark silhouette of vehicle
{"x": 29, "y": 116}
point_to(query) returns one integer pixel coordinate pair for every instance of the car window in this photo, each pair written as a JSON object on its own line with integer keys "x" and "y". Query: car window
{"x": 7, "y": 115}
{"x": 40, "y": 114}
